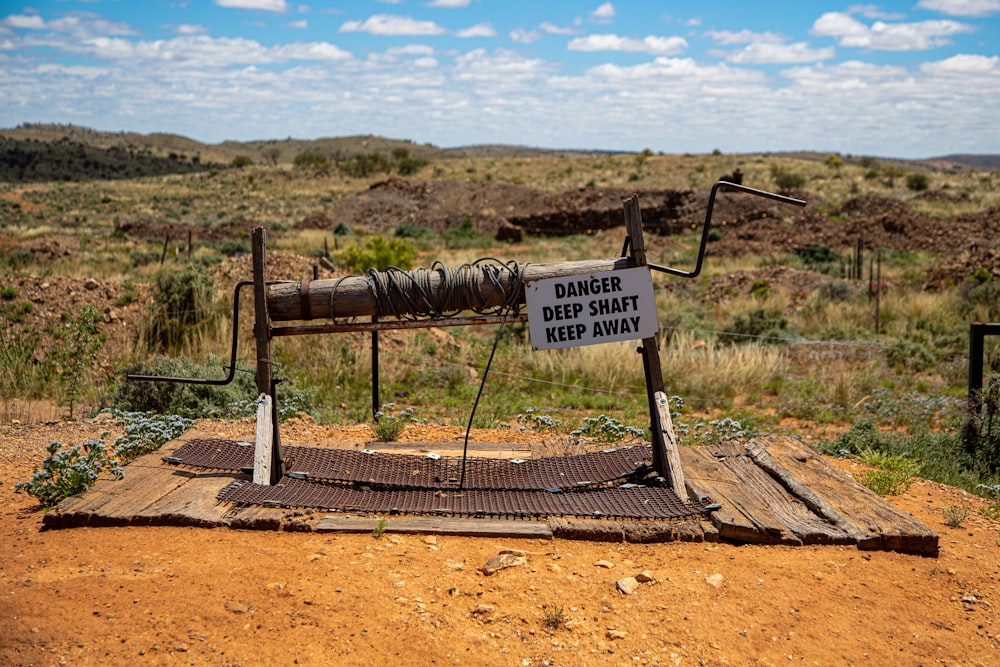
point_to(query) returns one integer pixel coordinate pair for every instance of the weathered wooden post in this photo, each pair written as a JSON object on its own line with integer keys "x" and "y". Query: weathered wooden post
{"x": 262, "y": 334}
{"x": 666, "y": 458}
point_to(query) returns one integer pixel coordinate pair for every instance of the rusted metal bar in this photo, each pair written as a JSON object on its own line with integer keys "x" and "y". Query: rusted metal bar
{"x": 389, "y": 325}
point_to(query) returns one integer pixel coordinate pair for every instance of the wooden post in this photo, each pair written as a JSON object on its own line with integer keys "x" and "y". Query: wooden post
{"x": 666, "y": 459}
{"x": 262, "y": 334}
{"x": 264, "y": 442}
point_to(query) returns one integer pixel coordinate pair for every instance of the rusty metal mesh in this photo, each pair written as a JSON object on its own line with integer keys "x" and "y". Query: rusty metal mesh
{"x": 351, "y": 480}
{"x": 618, "y": 502}
{"x": 405, "y": 471}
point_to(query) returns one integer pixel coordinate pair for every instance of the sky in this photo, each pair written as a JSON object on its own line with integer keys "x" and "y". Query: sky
{"x": 909, "y": 79}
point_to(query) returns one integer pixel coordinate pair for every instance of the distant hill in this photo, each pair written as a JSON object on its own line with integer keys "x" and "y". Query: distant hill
{"x": 49, "y": 151}
{"x": 33, "y": 160}
{"x": 970, "y": 160}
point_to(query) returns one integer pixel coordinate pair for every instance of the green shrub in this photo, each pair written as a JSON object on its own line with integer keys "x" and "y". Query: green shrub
{"x": 241, "y": 161}
{"x": 387, "y": 427}
{"x": 313, "y": 161}
{"x": 786, "y": 180}
{"x": 378, "y": 253}
{"x": 75, "y": 353}
{"x": 181, "y": 309}
{"x": 891, "y": 476}
{"x": 909, "y": 355}
{"x": 66, "y": 472}
{"x": 234, "y": 400}
{"x": 608, "y": 429}
{"x": 17, "y": 311}
{"x": 759, "y": 324}
{"x": 917, "y": 182}
{"x": 817, "y": 253}
{"x": 9, "y": 293}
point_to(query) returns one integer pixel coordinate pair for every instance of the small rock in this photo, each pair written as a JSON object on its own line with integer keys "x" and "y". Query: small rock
{"x": 645, "y": 577}
{"x": 503, "y": 561}
{"x": 616, "y": 634}
{"x": 91, "y": 284}
{"x": 627, "y": 585}
{"x": 430, "y": 539}
{"x": 605, "y": 564}
{"x": 714, "y": 580}
{"x": 236, "y": 607}
{"x": 482, "y": 609}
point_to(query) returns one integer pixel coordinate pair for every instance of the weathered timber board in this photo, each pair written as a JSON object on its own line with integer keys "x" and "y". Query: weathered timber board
{"x": 191, "y": 504}
{"x": 755, "y": 508}
{"x": 876, "y": 523}
{"x": 639, "y": 532}
{"x": 346, "y": 523}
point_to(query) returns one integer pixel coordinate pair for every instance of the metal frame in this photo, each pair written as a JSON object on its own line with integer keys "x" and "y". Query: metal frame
{"x": 666, "y": 460}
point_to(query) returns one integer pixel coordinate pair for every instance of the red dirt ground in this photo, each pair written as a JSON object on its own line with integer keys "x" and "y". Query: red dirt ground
{"x": 193, "y": 596}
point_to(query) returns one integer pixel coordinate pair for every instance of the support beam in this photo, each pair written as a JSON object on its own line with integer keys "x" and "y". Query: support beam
{"x": 262, "y": 334}
{"x": 666, "y": 459}
{"x": 352, "y": 296}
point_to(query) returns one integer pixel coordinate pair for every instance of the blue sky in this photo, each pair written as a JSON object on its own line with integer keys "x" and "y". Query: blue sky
{"x": 901, "y": 79}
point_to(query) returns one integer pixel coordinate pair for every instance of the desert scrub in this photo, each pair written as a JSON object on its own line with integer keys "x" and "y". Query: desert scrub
{"x": 387, "y": 427}
{"x": 234, "y": 400}
{"x": 66, "y": 472}
{"x": 607, "y": 429}
{"x": 538, "y": 422}
{"x": 78, "y": 346}
{"x": 891, "y": 476}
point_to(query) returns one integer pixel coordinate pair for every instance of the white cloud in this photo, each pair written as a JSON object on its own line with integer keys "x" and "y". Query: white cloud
{"x": 449, "y": 4}
{"x": 522, "y": 36}
{"x": 277, "y": 6}
{"x": 882, "y": 36}
{"x": 603, "y": 14}
{"x": 478, "y": 30}
{"x": 552, "y": 29}
{"x": 186, "y": 29}
{"x": 965, "y": 64}
{"x": 962, "y": 7}
{"x": 25, "y": 21}
{"x": 771, "y": 53}
{"x": 744, "y": 36}
{"x": 875, "y": 12}
{"x": 393, "y": 25}
{"x": 653, "y": 45}
{"x": 300, "y": 24}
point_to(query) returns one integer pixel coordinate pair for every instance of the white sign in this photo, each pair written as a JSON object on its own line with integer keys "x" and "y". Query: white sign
{"x": 571, "y": 311}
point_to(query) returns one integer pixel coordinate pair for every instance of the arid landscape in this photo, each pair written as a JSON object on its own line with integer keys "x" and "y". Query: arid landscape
{"x": 187, "y": 595}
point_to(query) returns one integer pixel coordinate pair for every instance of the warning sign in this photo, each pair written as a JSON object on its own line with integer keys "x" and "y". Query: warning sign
{"x": 571, "y": 311}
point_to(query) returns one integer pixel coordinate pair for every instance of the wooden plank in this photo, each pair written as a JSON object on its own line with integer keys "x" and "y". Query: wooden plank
{"x": 673, "y": 457}
{"x": 876, "y": 524}
{"x": 191, "y": 504}
{"x": 263, "y": 442}
{"x": 256, "y": 518}
{"x": 755, "y": 507}
{"x": 639, "y": 532}
{"x": 116, "y": 502}
{"x": 348, "y": 523}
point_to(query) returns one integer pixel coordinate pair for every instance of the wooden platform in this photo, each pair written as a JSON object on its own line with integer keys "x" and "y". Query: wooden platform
{"x": 772, "y": 491}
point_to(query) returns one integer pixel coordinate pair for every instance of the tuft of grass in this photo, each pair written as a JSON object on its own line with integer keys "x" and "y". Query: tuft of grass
{"x": 379, "y": 529}
{"x": 555, "y": 617}
{"x": 954, "y": 515}
{"x": 388, "y": 427}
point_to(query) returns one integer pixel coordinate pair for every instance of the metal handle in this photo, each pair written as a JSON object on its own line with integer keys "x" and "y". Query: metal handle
{"x": 721, "y": 185}
{"x": 232, "y": 357}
